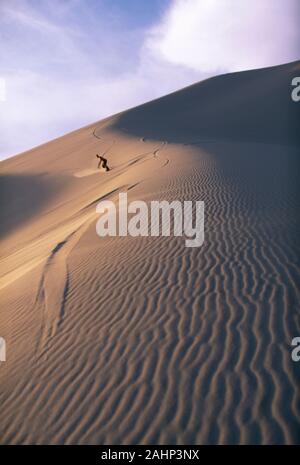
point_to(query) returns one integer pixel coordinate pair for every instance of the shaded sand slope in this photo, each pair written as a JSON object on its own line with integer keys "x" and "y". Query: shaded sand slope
{"x": 142, "y": 340}
{"x": 254, "y": 106}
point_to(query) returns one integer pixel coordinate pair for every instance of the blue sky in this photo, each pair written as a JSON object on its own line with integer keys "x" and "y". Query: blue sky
{"x": 67, "y": 63}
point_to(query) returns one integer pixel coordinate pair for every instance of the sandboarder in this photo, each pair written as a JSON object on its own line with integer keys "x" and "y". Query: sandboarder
{"x": 102, "y": 162}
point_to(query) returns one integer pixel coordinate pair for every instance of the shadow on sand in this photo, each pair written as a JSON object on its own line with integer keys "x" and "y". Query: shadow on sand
{"x": 22, "y": 197}
{"x": 252, "y": 106}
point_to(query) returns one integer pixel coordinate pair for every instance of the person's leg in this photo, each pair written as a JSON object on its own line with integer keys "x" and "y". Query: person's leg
{"x": 97, "y": 156}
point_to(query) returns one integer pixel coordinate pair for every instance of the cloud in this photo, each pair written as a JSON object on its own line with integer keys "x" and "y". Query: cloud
{"x": 65, "y": 68}
{"x": 228, "y": 35}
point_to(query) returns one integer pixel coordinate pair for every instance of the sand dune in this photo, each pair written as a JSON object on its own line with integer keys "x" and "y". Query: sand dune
{"x": 124, "y": 340}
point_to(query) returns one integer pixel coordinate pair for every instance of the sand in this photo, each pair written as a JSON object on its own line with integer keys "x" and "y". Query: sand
{"x": 141, "y": 340}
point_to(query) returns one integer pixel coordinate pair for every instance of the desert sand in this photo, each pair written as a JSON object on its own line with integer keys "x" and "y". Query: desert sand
{"x": 141, "y": 340}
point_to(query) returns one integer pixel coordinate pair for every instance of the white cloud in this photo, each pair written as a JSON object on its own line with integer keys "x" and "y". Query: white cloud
{"x": 63, "y": 73}
{"x": 216, "y": 35}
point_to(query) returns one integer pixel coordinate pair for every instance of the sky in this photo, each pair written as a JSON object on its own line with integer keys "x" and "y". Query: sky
{"x": 68, "y": 63}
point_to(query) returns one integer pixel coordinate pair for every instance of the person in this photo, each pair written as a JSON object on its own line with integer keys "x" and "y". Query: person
{"x": 102, "y": 162}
